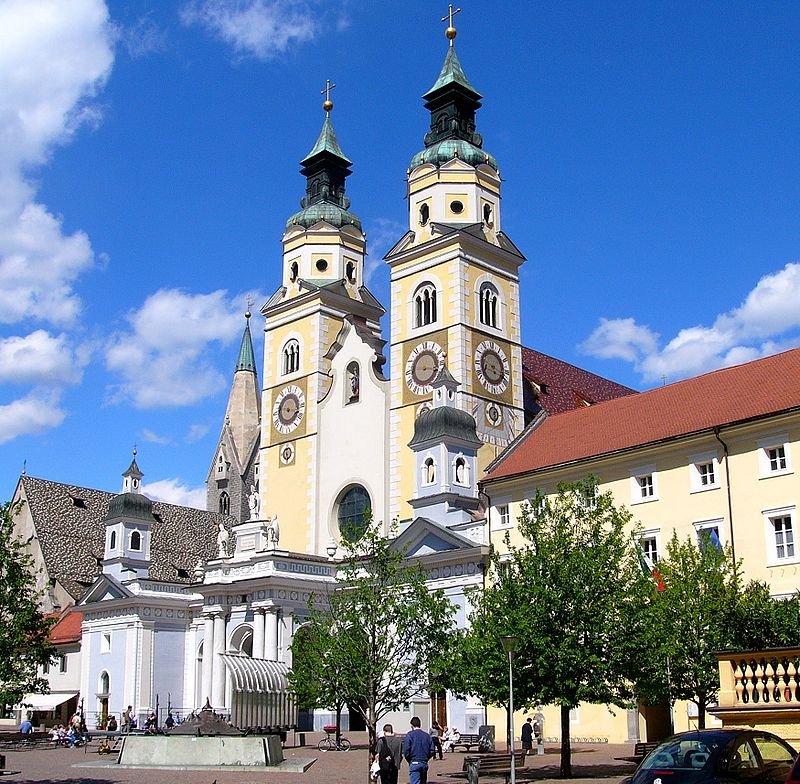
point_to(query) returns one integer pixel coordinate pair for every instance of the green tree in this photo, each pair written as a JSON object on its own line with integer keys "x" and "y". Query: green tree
{"x": 380, "y": 632}
{"x": 24, "y": 644}
{"x": 705, "y": 607}
{"x": 571, "y": 594}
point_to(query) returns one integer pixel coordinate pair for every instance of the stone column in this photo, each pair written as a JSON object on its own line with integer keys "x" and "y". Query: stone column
{"x": 208, "y": 657}
{"x": 288, "y": 631}
{"x": 258, "y": 633}
{"x": 218, "y": 670}
{"x": 271, "y": 651}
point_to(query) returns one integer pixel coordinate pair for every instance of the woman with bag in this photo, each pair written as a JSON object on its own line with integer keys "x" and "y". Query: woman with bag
{"x": 389, "y": 755}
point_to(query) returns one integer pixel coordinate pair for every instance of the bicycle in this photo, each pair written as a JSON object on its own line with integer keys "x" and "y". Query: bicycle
{"x": 330, "y": 743}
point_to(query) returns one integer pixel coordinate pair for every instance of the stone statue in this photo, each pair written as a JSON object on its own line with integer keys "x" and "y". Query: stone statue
{"x": 273, "y": 532}
{"x": 254, "y": 502}
{"x": 200, "y": 570}
{"x": 222, "y": 541}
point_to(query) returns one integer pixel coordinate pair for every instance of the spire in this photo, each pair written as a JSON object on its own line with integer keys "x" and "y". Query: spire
{"x": 247, "y": 357}
{"x": 325, "y": 168}
{"x": 132, "y": 478}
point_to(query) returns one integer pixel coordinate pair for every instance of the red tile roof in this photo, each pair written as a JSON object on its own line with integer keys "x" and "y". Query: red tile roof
{"x": 559, "y": 386}
{"x": 68, "y": 628}
{"x": 735, "y": 394}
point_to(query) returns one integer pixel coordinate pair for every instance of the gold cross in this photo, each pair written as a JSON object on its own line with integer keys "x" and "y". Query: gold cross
{"x": 451, "y": 31}
{"x": 327, "y": 105}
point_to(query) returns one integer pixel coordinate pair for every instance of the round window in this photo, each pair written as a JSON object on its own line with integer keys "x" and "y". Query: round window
{"x": 353, "y": 513}
{"x": 321, "y": 265}
{"x": 456, "y": 207}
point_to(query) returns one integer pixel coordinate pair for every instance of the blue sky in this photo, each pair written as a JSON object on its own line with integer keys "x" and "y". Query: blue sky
{"x": 150, "y": 159}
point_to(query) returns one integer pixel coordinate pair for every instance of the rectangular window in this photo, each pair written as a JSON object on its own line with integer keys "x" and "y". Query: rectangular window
{"x": 649, "y": 546}
{"x": 505, "y": 517}
{"x": 105, "y": 642}
{"x": 784, "y": 537}
{"x": 706, "y": 474}
{"x": 645, "y": 485}
{"x": 710, "y": 532}
{"x": 46, "y": 668}
{"x": 62, "y": 663}
{"x": 777, "y": 458}
{"x": 774, "y": 456}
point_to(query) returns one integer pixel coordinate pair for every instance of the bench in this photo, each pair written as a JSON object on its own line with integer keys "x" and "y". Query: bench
{"x": 16, "y": 741}
{"x": 640, "y": 751}
{"x": 493, "y": 765}
{"x": 468, "y": 740}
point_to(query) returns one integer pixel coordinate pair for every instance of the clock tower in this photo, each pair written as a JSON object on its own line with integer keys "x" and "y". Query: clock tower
{"x": 323, "y": 432}
{"x": 454, "y": 285}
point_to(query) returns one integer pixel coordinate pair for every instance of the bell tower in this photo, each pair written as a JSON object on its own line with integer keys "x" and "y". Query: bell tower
{"x": 454, "y": 283}
{"x": 323, "y": 360}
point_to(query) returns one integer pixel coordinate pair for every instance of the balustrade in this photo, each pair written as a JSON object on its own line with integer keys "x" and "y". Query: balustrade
{"x": 760, "y": 679}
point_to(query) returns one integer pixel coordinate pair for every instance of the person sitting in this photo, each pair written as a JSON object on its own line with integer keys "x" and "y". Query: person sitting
{"x": 104, "y": 747}
{"x": 26, "y": 726}
{"x": 451, "y": 737}
{"x": 169, "y": 722}
{"x": 112, "y": 723}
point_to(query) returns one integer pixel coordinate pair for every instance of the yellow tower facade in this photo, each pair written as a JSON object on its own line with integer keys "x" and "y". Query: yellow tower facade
{"x": 323, "y": 430}
{"x": 454, "y": 286}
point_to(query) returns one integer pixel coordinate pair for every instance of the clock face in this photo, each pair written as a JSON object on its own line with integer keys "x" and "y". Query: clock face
{"x": 491, "y": 367}
{"x": 422, "y": 365}
{"x": 288, "y": 409}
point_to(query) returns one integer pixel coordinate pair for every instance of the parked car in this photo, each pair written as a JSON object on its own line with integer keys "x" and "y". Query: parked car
{"x": 717, "y": 756}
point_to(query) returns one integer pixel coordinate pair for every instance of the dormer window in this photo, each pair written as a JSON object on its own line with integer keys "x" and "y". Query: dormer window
{"x": 425, "y": 305}
{"x": 291, "y": 357}
{"x": 136, "y": 541}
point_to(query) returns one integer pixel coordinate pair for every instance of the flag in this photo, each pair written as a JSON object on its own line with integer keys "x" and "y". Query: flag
{"x": 650, "y": 571}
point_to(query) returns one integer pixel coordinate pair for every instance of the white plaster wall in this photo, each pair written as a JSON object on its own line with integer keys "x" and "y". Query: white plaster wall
{"x": 352, "y": 438}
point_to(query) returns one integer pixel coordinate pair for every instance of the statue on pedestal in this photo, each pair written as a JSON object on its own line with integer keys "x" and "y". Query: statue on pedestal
{"x": 222, "y": 541}
{"x": 254, "y": 502}
{"x": 272, "y": 532}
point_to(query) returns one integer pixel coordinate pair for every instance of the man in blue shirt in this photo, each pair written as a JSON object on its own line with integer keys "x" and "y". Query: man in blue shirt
{"x": 25, "y": 726}
{"x": 417, "y": 749}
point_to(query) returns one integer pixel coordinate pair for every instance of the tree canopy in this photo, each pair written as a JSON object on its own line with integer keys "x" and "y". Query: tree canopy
{"x": 24, "y": 644}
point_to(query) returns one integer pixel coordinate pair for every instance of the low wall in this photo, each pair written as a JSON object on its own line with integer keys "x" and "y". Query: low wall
{"x": 159, "y": 751}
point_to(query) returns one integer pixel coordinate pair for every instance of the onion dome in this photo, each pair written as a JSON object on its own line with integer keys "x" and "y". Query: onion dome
{"x": 130, "y": 505}
{"x": 444, "y": 424}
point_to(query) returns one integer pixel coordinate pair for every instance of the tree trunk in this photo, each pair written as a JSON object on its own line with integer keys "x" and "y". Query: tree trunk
{"x": 701, "y": 713}
{"x": 338, "y": 723}
{"x": 566, "y": 752}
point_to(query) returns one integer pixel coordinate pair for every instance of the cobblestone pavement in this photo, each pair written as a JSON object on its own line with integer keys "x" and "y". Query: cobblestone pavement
{"x": 591, "y": 763}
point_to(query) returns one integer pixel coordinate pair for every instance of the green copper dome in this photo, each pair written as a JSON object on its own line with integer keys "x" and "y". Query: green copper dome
{"x": 324, "y": 211}
{"x": 445, "y": 422}
{"x": 448, "y": 149}
{"x": 134, "y": 505}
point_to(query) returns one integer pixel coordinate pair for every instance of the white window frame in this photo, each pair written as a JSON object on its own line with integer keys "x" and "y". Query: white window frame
{"x": 703, "y": 525}
{"x": 780, "y": 441}
{"x": 696, "y": 476}
{"x": 140, "y": 548}
{"x": 105, "y": 642}
{"x": 503, "y": 516}
{"x": 651, "y": 534}
{"x": 636, "y": 488}
{"x": 770, "y": 515}
{"x": 424, "y": 465}
{"x": 418, "y": 305}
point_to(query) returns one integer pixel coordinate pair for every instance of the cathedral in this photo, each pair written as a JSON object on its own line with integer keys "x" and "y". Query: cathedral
{"x": 181, "y": 606}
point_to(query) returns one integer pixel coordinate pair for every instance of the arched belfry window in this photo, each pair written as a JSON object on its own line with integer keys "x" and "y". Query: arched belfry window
{"x": 224, "y": 503}
{"x": 489, "y": 299}
{"x": 424, "y": 214}
{"x": 112, "y": 542}
{"x": 429, "y": 471}
{"x": 136, "y": 541}
{"x": 460, "y": 471}
{"x": 425, "y": 305}
{"x": 291, "y": 357}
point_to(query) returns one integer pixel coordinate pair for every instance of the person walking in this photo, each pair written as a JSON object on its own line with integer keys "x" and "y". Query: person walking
{"x": 527, "y": 736}
{"x": 389, "y": 755}
{"x": 436, "y": 737}
{"x": 417, "y": 749}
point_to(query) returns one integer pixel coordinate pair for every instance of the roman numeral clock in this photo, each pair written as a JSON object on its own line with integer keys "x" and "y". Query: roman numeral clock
{"x": 422, "y": 365}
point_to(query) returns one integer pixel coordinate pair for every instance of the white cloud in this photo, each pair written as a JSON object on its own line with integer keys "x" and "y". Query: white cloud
{"x": 196, "y": 432}
{"x": 766, "y": 322}
{"x": 154, "y": 438}
{"x": 143, "y": 37}
{"x": 54, "y": 57}
{"x": 260, "y": 28}
{"x": 35, "y": 413}
{"x": 174, "y": 491}
{"x": 40, "y": 358}
{"x": 167, "y": 359}
{"x": 382, "y": 234}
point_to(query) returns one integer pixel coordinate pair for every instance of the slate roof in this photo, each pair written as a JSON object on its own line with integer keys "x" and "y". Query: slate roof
{"x": 69, "y": 523}
{"x": 736, "y": 394}
{"x": 555, "y": 386}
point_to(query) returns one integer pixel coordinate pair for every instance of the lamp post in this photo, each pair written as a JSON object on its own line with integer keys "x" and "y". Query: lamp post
{"x": 510, "y": 647}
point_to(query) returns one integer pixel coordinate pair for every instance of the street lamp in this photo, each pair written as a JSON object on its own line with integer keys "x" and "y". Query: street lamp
{"x": 510, "y": 647}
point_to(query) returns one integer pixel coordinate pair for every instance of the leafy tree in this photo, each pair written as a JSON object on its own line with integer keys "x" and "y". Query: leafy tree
{"x": 24, "y": 644}
{"x": 705, "y": 607}
{"x": 571, "y": 594}
{"x": 379, "y": 632}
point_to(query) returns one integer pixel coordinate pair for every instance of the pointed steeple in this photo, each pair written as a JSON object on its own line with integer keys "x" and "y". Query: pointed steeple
{"x": 132, "y": 478}
{"x": 247, "y": 357}
{"x": 325, "y": 168}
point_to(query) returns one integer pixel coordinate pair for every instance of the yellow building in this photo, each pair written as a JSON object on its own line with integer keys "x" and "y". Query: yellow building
{"x": 712, "y": 453}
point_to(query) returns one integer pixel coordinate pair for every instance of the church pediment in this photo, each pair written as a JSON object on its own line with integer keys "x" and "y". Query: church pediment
{"x": 104, "y": 589}
{"x": 424, "y": 537}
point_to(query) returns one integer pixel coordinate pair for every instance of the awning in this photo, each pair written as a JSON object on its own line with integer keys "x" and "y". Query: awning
{"x": 46, "y": 702}
{"x": 259, "y": 676}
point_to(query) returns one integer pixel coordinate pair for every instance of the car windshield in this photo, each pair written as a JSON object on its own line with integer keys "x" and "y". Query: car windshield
{"x": 679, "y": 754}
